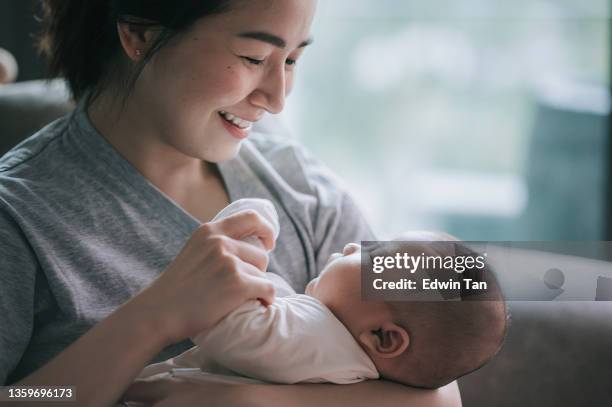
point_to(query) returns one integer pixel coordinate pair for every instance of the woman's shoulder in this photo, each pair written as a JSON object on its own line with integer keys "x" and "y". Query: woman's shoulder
{"x": 292, "y": 161}
{"x": 32, "y": 170}
{"x": 18, "y": 161}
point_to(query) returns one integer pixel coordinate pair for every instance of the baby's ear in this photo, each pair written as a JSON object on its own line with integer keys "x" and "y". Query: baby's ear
{"x": 388, "y": 341}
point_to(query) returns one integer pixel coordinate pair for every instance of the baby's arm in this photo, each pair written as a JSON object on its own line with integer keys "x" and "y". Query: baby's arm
{"x": 296, "y": 339}
{"x": 243, "y": 343}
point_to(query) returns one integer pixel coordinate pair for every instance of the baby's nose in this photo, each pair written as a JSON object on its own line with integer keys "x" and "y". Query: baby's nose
{"x": 351, "y": 248}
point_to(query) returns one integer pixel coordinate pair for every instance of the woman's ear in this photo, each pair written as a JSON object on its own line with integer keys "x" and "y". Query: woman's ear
{"x": 136, "y": 38}
{"x": 388, "y": 341}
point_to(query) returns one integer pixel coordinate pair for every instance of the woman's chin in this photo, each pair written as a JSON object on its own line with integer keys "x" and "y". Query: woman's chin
{"x": 220, "y": 154}
{"x": 229, "y": 155}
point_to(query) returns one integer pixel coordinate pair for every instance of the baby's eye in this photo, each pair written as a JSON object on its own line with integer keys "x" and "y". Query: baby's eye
{"x": 290, "y": 61}
{"x": 253, "y": 61}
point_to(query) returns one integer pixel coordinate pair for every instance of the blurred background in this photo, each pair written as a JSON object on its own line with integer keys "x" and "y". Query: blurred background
{"x": 484, "y": 118}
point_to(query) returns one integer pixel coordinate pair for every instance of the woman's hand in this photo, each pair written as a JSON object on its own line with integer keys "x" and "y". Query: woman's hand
{"x": 213, "y": 274}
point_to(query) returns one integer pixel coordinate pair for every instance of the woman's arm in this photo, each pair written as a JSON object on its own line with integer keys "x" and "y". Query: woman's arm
{"x": 379, "y": 393}
{"x": 103, "y": 362}
{"x": 165, "y": 391}
{"x": 213, "y": 272}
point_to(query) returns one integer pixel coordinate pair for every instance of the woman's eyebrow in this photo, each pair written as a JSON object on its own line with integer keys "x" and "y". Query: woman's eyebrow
{"x": 271, "y": 38}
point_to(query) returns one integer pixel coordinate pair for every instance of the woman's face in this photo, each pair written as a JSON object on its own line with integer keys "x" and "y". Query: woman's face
{"x": 205, "y": 88}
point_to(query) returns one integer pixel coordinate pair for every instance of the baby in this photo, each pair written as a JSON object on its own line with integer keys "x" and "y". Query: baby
{"x": 330, "y": 334}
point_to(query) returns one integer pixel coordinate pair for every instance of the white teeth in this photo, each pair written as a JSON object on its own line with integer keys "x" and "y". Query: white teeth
{"x": 243, "y": 124}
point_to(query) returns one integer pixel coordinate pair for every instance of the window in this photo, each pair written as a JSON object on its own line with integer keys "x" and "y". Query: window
{"x": 483, "y": 118}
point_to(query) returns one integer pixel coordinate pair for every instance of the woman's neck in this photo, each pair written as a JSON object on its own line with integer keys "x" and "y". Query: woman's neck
{"x": 126, "y": 128}
{"x": 184, "y": 179}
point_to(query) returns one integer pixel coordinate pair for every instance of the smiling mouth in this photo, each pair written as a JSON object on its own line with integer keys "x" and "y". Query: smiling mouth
{"x": 235, "y": 120}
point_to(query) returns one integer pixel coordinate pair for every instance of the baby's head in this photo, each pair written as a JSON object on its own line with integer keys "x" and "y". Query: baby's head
{"x": 423, "y": 344}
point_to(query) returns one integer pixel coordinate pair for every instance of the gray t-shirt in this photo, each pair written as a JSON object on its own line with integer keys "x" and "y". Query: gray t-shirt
{"x": 82, "y": 231}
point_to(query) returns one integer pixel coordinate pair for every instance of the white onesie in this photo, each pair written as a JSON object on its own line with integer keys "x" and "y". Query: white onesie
{"x": 295, "y": 339}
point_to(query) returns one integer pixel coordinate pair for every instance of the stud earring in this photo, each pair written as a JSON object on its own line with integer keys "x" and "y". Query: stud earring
{"x": 138, "y": 52}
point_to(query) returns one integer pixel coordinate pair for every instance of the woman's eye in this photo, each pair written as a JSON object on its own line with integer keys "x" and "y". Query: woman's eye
{"x": 253, "y": 61}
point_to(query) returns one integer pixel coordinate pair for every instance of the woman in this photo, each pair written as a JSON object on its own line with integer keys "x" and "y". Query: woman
{"x": 111, "y": 260}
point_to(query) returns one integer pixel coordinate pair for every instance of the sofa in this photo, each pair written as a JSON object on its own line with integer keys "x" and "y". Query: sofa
{"x": 555, "y": 354}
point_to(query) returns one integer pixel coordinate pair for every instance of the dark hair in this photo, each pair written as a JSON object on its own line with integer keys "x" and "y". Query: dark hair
{"x": 80, "y": 38}
{"x": 449, "y": 339}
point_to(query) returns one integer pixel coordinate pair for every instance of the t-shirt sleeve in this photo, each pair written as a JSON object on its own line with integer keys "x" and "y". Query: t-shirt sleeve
{"x": 18, "y": 266}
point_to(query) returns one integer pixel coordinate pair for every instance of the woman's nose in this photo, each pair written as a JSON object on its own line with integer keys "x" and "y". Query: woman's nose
{"x": 271, "y": 92}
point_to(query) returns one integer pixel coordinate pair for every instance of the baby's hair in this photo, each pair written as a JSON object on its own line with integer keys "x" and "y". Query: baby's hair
{"x": 451, "y": 338}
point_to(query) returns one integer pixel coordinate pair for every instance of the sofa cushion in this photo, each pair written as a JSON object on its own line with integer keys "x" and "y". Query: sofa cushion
{"x": 25, "y": 107}
{"x": 557, "y": 353}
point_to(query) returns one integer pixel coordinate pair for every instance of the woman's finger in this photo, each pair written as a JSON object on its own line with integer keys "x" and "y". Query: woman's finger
{"x": 259, "y": 288}
{"x": 251, "y": 254}
{"x": 247, "y": 223}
